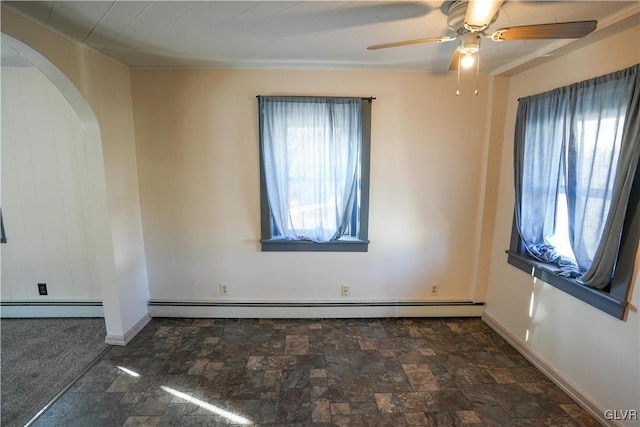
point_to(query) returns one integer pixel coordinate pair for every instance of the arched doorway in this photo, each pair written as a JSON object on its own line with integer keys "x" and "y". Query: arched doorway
{"x": 84, "y": 218}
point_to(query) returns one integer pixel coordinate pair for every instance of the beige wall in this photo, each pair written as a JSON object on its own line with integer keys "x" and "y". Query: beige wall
{"x": 596, "y": 353}
{"x": 197, "y": 149}
{"x": 105, "y": 86}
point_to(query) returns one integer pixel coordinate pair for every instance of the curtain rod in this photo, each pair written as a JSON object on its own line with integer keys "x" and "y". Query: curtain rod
{"x": 370, "y": 98}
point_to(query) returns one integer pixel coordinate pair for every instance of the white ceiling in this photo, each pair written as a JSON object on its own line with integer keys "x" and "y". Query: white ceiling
{"x": 300, "y": 34}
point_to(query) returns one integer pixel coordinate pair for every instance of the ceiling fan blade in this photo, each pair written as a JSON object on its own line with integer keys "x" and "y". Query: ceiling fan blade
{"x": 562, "y": 30}
{"x": 440, "y": 39}
{"x": 455, "y": 59}
{"x": 480, "y": 14}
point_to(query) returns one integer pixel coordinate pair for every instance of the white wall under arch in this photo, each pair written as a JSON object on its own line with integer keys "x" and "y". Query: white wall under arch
{"x": 44, "y": 196}
{"x": 99, "y": 222}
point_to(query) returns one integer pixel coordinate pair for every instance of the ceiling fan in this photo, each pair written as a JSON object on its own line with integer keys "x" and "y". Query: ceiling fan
{"x": 469, "y": 19}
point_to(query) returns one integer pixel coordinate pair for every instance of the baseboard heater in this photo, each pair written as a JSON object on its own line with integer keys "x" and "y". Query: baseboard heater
{"x": 328, "y": 309}
{"x": 29, "y": 309}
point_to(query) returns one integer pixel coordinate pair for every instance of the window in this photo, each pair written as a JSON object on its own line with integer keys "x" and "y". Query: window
{"x": 577, "y": 188}
{"x": 314, "y": 173}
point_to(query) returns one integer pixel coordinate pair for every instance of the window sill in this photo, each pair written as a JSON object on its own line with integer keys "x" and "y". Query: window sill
{"x": 547, "y": 273}
{"x": 342, "y": 245}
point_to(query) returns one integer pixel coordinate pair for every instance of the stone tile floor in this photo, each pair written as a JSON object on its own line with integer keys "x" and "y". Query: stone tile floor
{"x": 329, "y": 372}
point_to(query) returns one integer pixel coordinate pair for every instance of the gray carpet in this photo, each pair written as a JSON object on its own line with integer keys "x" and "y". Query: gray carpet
{"x": 40, "y": 357}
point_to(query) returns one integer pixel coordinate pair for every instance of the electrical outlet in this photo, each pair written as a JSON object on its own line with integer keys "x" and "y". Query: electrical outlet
{"x": 434, "y": 289}
{"x": 344, "y": 291}
{"x": 224, "y": 289}
{"x": 42, "y": 289}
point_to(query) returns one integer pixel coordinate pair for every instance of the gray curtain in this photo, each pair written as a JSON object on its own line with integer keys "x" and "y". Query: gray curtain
{"x": 3, "y": 237}
{"x": 576, "y": 152}
{"x": 311, "y": 152}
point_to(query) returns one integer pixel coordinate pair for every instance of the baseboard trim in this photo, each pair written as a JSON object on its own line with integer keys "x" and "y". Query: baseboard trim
{"x": 41, "y": 309}
{"x": 125, "y": 339}
{"x": 204, "y": 309}
{"x": 547, "y": 369}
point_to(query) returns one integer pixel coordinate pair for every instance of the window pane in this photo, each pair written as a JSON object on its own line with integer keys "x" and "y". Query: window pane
{"x": 597, "y": 149}
{"x": 560, "y": 237}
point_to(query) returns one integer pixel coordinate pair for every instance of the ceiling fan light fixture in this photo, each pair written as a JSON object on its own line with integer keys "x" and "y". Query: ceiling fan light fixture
{"x": 470, "y": 44}
{"x": 469, "y": 48}
{"x": 467, "y": 61}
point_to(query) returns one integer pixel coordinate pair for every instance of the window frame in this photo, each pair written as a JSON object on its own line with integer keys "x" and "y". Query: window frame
{"x": 360, "y": 243}
{"x": 614, "y": 299}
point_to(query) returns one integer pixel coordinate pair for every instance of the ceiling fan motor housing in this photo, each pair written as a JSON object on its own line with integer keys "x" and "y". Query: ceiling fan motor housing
{"x": 456, "y": 13}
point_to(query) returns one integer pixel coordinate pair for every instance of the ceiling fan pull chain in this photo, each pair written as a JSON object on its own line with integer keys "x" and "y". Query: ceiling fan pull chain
{"x": 477, "y": 69}
{"x": 458, "y": 83}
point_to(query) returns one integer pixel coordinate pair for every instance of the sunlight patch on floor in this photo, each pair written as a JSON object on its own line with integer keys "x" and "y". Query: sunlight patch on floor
{"x": 236, "y": 419}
